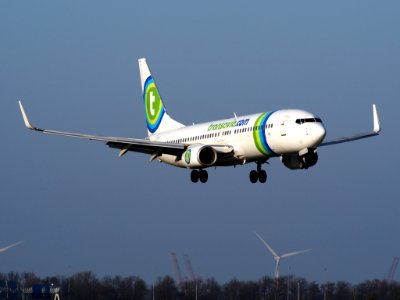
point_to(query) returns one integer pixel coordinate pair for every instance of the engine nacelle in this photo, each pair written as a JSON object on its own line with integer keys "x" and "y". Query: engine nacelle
{"x": 296, "y": 161}
{"x": 198, "y": 156}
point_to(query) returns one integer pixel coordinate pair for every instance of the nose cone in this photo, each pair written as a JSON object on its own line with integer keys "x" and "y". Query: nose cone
{"x": 318, "y": 133}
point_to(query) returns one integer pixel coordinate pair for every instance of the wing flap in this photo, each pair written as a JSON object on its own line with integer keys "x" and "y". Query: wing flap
{"x": 147, "y": 147}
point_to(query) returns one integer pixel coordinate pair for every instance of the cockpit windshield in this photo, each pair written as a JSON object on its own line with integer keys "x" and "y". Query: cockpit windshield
{"x": 308, "y": 120}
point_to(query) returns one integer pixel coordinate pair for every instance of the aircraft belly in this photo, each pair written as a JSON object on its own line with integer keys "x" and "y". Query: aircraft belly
{"x": 283, "y": 144}
{"x": 171, "y": 160}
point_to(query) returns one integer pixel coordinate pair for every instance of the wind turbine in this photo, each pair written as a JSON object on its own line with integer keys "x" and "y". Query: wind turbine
{"x": 278, "y": 257}
{"x": 10, "y": 246}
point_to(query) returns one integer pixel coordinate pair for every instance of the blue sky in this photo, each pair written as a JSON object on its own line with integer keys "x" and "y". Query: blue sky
{"x": 79, "y": 207}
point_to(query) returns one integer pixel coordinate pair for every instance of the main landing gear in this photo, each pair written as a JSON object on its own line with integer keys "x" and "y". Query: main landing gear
{"x": 258, "y": 175}
{"x": 197, "y": 175}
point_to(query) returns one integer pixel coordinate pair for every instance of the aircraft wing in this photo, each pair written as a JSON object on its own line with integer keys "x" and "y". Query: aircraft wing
{"x": 153, "y": 148}
{"x": 124, "y": 144}
{"x": 376, "y": 130}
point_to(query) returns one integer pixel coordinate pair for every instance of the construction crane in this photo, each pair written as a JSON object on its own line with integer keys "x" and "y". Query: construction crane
{"x": 393, "y": 269}
{"x": 189, "y": 268}
{"x": 177, "y": 270}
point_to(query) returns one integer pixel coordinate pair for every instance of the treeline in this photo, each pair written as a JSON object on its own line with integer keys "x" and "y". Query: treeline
{"x": 86, "y": 286}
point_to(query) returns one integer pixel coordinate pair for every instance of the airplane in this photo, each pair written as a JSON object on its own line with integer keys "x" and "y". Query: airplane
{"x": 291, "y": 134}
{"x": 277, "y": 257}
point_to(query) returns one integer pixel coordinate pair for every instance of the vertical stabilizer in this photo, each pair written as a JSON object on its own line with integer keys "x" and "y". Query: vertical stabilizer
{"x": 157, "y": 119}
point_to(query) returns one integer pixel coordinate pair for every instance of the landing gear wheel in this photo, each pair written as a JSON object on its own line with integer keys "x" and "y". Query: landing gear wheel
{"x": 203, "y": 174}
{"x": 258, "y": 175}
{"x": 253, "y": 176}
{"x": 262, "y": 176}
{"x": 194, "y": 176}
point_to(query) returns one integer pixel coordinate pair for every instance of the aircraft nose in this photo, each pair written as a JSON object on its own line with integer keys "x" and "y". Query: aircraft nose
{"x": 319, "y": 133}
{"x": 316, "y": 134}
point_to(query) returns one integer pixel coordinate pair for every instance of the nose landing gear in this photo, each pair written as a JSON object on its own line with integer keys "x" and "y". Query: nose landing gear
{"x": 258, "y": 175}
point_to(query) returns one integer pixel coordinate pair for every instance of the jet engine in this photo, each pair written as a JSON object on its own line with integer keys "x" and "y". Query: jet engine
{"x": 197, "y": 156}
{"x": 297, "y": 161}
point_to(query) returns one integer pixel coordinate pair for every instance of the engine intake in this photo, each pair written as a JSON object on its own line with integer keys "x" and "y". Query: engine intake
{"x": 296, "y": 161}
{"x": 199, "y": 156}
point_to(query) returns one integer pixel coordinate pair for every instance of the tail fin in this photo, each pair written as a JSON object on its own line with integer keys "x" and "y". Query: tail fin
{"x": 157, "y": 118}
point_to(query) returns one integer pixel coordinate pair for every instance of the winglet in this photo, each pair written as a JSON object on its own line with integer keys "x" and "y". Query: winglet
{"x": 377, "y": 125}
{"x": 25, "y": 117}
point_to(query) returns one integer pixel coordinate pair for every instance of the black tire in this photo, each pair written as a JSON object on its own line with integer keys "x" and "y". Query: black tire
{"x": 253, "y": 176}
{"x": 203, "y": 174}
{"x": 262, "y": 176}
{"x": 194, "y": 176}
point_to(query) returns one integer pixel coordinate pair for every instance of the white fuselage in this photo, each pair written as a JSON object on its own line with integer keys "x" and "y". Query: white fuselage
{"x": 255, "y": 137}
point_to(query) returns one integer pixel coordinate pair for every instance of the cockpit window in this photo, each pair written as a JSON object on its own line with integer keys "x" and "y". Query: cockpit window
{"x": 308, "y": 120}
